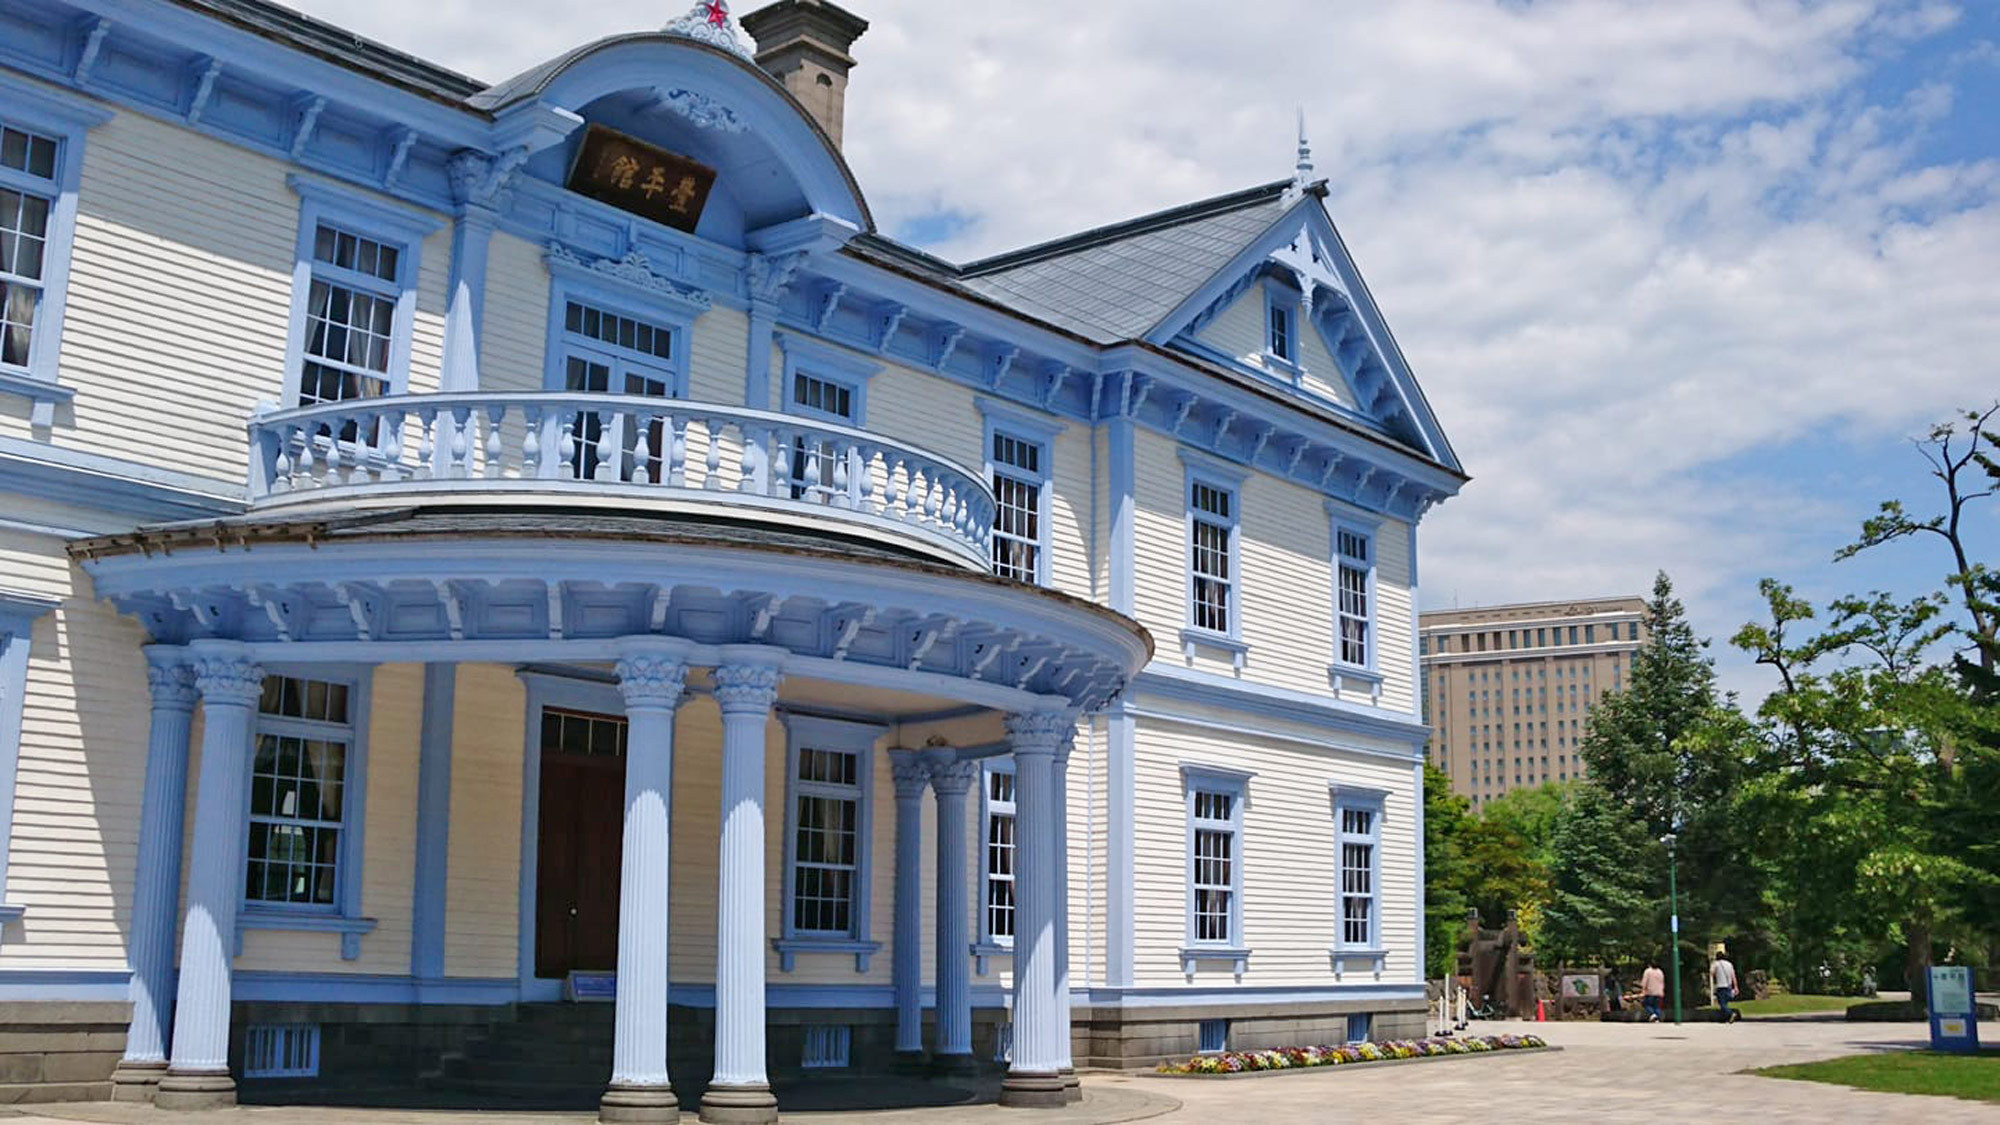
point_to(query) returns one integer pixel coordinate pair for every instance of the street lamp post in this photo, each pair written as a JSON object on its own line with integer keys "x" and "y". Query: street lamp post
{"x": 1674, "y": 915}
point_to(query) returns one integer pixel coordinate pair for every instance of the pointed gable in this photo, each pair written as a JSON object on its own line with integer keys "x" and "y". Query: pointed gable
{"x": 1116, "y": 283}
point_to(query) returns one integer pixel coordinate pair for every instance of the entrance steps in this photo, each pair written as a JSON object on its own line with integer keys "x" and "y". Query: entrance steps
{"x": 552, "y": 1056}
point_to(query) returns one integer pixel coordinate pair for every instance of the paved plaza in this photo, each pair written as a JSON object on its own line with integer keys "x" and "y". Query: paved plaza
{"x": 1605, "y": 1073}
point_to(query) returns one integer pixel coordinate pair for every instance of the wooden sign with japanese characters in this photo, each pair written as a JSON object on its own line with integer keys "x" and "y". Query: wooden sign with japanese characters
{"x": 630, "y": 174}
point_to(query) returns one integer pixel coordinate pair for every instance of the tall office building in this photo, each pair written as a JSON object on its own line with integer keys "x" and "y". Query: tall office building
{"x": 1506, "y": 688}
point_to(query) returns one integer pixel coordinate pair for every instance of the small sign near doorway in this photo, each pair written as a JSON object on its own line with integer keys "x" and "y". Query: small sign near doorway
{"x": 644, "y": 179}
{"x": 590, "y": 988}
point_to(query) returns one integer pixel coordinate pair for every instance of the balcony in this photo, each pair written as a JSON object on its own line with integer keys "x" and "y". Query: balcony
{"x": 622, "y": 452}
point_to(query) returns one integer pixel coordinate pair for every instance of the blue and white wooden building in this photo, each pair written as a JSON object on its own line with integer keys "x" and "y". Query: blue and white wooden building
{"x": 453, "y": 571}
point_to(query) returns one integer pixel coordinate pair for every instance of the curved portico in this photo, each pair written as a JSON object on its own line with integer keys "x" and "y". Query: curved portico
{"x": 761, "y": 619}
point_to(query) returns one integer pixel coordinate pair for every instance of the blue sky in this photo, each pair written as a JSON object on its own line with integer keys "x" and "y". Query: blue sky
{"x": 1679, "y": 278}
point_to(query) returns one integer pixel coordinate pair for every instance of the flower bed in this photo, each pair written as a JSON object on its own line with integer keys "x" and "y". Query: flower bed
{"x": 1294, "y": 1058}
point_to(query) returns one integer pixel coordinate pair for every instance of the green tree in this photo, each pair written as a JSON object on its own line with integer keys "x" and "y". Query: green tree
{"x": 1606, "y": 883}
{"x": 1532, "y": 813}
{"x": 1445, "y": 815}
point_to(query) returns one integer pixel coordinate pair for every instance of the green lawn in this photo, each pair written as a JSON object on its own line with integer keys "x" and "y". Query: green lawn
{"x": 1906, "y": 1072}
{"x": 1791, "y": 1005}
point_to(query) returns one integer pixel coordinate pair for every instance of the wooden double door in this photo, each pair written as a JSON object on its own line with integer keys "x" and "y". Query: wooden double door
{"x": 582, "y": 826}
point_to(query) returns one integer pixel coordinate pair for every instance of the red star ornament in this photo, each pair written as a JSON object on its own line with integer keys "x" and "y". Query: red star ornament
{"x": 718, "y": 12}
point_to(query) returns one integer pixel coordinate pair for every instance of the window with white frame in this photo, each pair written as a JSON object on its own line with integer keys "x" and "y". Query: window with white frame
{"x": 815, "y": 469}
{"x": 1360, "y": 824}
{"x": 826, "y": 840}
{"x": 351, "y": 314}
{"x": 28, "y": 191}
{"x": 298, "y": 792}
{"x": 1354, "y": 551}
{"x": 1214, "y": 863}
{"x": 604, "y": 352}
{"x": 1212, "y": 519}
{"x": 997, "y": 912}
{"x": 1019, "y": 487}
{"x": 1282, "y": 337}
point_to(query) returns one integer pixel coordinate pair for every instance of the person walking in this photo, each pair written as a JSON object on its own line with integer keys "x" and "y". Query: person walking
{"x": 1722, "y": 977}
{"x": 1653, "y": 990}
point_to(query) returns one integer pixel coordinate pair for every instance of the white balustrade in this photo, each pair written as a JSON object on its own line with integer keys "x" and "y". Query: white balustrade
{"x": 573, "y": 443}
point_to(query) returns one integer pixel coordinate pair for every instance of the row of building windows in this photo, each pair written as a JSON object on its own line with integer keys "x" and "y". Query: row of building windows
{"x": 1503, "y": 640}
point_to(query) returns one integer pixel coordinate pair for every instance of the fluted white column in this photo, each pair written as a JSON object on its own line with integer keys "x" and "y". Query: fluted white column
{"x": 651, "y": 676}
{"x": 745, "y": 686}
{"x": 198, "y": 1075}
{"x": 950, "y": 780}
{"x": 1034, "y": 1078}
{"x": 1072, "y": 1089}
{"x": 911, "y": 775}
{"x": 157, "y": 885}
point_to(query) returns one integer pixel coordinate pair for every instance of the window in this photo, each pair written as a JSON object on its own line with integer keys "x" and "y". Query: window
{"x": 354, "y": 295}
{"x": 1281, "y": 343}
{"x": 1214, "y": 1036}
{"x": 826, "y": 1047}
{"x": 604, "y": 352}
{"x": 1212, "y": 543}
{"x": 1216, "y": 798}
{"x": 298, "y": 793}
{"x": 1359, "y": 819}
{"x": 1214, "y": 866}
{"x": 827, "y": 815}
{"x": 827, "y": 852}
{"x": 997, "y": 911}
{"x": 27, "y": 202}
{"x": 1356, "y": 575}
{"x": 41, "y": 166}
{"x": 281, "y": 1050}
{"x": 1359, "y": 1027}
{"x": 1019, "y": 519}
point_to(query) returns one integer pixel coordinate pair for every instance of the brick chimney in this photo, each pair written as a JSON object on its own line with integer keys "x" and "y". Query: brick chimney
{"x": 804, "y": 43}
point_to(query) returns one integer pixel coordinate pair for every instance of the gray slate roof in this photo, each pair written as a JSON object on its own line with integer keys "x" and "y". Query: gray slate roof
{"x": 1116, "y": 283}
{"x": 318, "y": 37}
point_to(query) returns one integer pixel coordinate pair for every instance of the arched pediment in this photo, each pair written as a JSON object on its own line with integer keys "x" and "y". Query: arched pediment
{"x": 773, "y": 162}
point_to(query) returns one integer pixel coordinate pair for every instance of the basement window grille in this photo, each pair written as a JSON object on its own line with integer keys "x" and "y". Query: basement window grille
{"x": 1359, "y": 1026}
{"x": 1214, "y": 1035}
{"x": 1003, "y": 1043}
{"x": 827, "y": 1047}
{"x": 281, "y": 1050}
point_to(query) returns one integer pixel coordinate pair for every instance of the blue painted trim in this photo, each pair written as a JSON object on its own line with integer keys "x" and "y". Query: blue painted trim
{"x": 1123, "y": 471}
{"x": 1227, "y": 479}
{"x": 465, "y": 298}
{"x": 433, "y": 855}
{"x": 370, "y": 216}
{"x": 1417, "y": 801}
{"x": 1183, "y": 685}
{"x": 345, "y": 918}
{"x": 368, "y": 988}
{"x": 112, "y": 484}
{"x": 1121, "y": 821}
{"x": 1280, "y": 298}
{"x": 859, "y": 739}
{"x": 12, "y": 912}
{"x": 1339, "y": 669}
{"x": 545, "y": 690}
{"x": 350, "y": 929}
{"x": 832, "y": 364}
{"x": 74, "y": 985}
{"x": 1235, "y": 784}
{"x": 18, "y": 614}
{"x": 68, "y": 121}
{"x": 1176, "y": 996}
{"x": 1030, "y": 425}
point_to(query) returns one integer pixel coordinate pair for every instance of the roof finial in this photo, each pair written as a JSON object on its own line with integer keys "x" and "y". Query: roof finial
{"x": 1302, "y": 173}
{"x": 708, "y": 22}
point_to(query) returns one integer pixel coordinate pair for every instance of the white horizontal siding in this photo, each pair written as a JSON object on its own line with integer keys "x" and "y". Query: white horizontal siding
{"x": 1240, "y": 331}
{"x": 1288, "y": 858}
{"x": 1322, "y": 375}
{"x": 1395, "y": 615}
{"x": 1073, "y": 554}
{"x": 718, "y": 355}
{"x": 482, "y": 882}
{"x": 81, "y": 772}
{"x": 515, "y": 322}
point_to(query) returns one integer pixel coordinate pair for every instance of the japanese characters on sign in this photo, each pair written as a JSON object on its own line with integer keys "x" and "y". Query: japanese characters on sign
{"x": 632, "y": 175}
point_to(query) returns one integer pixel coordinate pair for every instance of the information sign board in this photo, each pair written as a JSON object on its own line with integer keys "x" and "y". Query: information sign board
{"x": 1954, "y": 1013}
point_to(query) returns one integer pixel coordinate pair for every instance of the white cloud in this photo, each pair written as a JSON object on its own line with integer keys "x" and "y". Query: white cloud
{"x": 1628, "y": 245}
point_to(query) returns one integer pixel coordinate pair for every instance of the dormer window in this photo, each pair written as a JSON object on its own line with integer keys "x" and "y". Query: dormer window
{"x": 1281, "y": 343}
